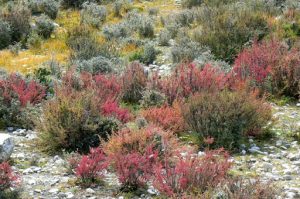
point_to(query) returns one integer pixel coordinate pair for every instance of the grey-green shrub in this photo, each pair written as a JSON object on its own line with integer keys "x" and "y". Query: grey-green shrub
{"x": 164, "y": 37}
{"x": 149, "y": 54}
{"x": 152, "y": 98}
{"x": 44, "y": 26}
{"x": 186, "y": 50}
{"x": 18, "y": 17}
{"x": 116, "y": 31}
{"x": 83, "y": 43}
{"x": 93, "y": 14}
{"x": 48, "y": 7}
{"x": 95, "y": 65}
{"x": 146, "y": 28}
{"x": 34, "y": 40}
{"x": 5, "y": 34}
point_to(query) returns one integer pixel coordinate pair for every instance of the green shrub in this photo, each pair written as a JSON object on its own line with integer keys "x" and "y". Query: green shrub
{"x": 95, "y": 65}
{"x": 83, "y": 43}
{"x": 44, "y": 26}
{"x": 164, "y": 38}
{"x": 48, "y": 7}
{"x": 5, "y": 34}
{"x": 226, "y": 116}
{"x": 149, "y": 54}
{"x": 34, "y": 40}
{"x": 225, "y": 29}
{"x": 146, "y": 28}
{"x": 18, "y": 18}
{"x": 186, "y": 50}
{"x": 152, "y": 98}
{"x": 72, "y": 3}
{"x": 93, "y": 15}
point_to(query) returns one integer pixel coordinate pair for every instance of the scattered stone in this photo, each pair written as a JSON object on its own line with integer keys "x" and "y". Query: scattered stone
{"x": 90, "y": 190}
{"x": 6, "y": 146}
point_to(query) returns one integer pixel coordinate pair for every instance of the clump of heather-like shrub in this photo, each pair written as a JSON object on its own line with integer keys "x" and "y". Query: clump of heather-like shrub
{"x": 191, "y": 175}
{"x": 7, "y": 177}
{"x": 83, "y": 110}
{"x": 226, "y": 116}
{"x": 167, "y": 117}
{"x": 48, "y": 7}
{"x": 133, "y": 153}
{"x": 188, "y": 79}
{"x": 18, "y": 98}
{"x": 5, "y": 34}
{"x": 44, "y": 26}
{"x": 135, "y": 169}
{"x": 271, "y": 67}
{"x": 134, "y": 81}
{"x": 91, "y": 167}
{"x": 93, "y": 14}
{"x": 152, "y": 98}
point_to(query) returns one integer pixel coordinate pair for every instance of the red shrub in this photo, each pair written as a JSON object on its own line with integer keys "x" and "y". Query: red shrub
{"x": 135, "y": 169}
{"x": 167, "y": 117}
{"x": 188, "y": 79}
{"x": 191, "y": 175}
{"x": 270, "y": 62}
{"x": 91, "y": 166}
{"x": 111, "y": 108}
{"x": 31, "y": 92}
{"x": 7, "y": 177}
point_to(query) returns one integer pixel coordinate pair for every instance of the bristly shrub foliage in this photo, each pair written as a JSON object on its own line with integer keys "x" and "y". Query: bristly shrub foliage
{"x": 5, "y": 34}
{"x": 187, "y": 79}
{"x": 271, "y": 67}
{"x": 190, "y": 176}
{"x": 18, "y": 18}
{"x": 91, "y": 167}
{"x": 226, "y": 116}
{"x": 7, "y": 177}
{"x": 134, "y": 152}
{"x": 135, "y": 169}
{"x": 134, "y": 82}
{"x": 93, "y": 14}
{"x": 226, "y": 28}
{"x": 152, "y": 98}
{"x": 78, "y": 116}
{"x": 18, "y": 98}
{"x": 44, "y": 26}
{"x": 167, "y": 117}
{"x": 48, "y": 7}
{"x": 83, "y": 43}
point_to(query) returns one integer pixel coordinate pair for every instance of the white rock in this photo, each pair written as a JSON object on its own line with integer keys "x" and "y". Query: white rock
{"x": 6, "y": 146}
{"x": 89, "y": 190}
{"x": 54, "y": 191}
{"x": 69, "y": 195}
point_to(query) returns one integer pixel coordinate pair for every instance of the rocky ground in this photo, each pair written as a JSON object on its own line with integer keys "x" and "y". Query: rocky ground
{"x": 276, "y": 160}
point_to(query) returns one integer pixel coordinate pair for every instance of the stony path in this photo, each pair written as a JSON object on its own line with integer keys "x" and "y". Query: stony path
{"x": 43, "y": 176}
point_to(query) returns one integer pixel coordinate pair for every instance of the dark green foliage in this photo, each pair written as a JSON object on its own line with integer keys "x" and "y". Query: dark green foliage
{"x": 5, "y": 34}
{"x": 83, "y": 43}
{"x": 95, "y": 65}
{"x": 226, "y": 116}
{"x": 18, "y": 18}
{"x": 48, "y": 7}
{"x": 44, "y": 26}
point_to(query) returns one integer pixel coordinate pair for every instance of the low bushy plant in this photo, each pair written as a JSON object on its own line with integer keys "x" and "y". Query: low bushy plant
{"x": 149, "y": 54}
{"x": 226, "y": 28}
{"x": 190, "y": 176}
{"x": 134, "y": 82}
{"x": 152, "y": 98}
{"x": 186, "y": 50}
{"x": 226, "y": 116}
{"x": 169, "y": 118}
{"x": 271, "y": 67}
{"x": 164, "y": 38}
{"x": 5, "y": 34}
{"x": 7, "y": 177}
{"x": 93, "y": 14}
{"x": 77, "y": 117}
{"x": 48, "y": 7}
{"x": 188, "y": 79}
{"x": 91, "y": 167}
{"x": 18, "y": 98}
{"x": 83, "y": 43}
{"x": 44, "y": 26}
{"x": 95, "y": 65}
{"x": 18, "y": 18}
